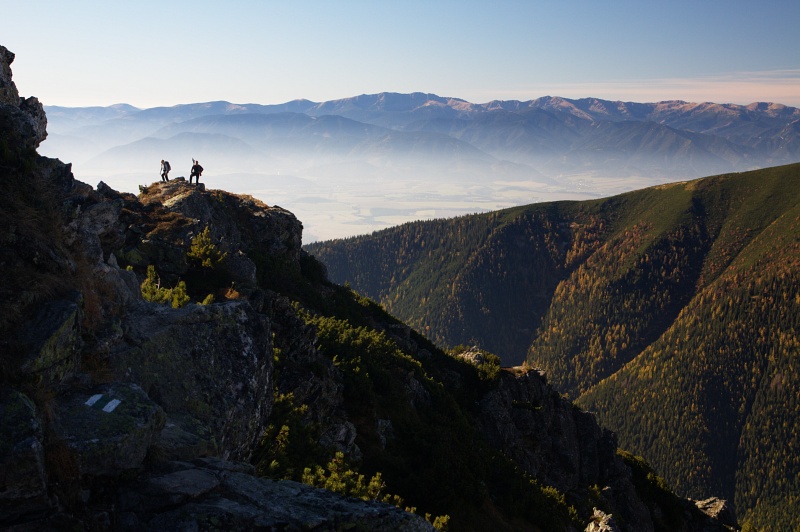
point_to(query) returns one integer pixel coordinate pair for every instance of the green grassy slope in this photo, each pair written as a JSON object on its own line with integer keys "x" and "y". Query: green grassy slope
{"x": 714, "y": 401}
{"x": 672, "y": 311}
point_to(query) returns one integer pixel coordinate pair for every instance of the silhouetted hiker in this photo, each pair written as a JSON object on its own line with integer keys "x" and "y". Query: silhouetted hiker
{"x": 197, "y": 171}
{"x": 165, "y": 168}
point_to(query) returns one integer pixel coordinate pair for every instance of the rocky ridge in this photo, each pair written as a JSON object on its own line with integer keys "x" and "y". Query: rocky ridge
{"x": 118, "y": 413}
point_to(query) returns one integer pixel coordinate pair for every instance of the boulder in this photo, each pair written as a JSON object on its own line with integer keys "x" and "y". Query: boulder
{"x": 210, "y": 369}
{"x": 23, "y": 481}
{"x": 109, "y": 428}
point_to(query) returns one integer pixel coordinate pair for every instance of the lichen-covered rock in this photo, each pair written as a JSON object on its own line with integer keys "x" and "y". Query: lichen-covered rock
{"x": 209, "y": 367}
{"x": 52, "y": 341}
{"x": 108, "y": 428}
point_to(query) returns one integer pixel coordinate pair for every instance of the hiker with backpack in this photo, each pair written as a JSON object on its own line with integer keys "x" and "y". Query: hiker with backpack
{"x": 197, "y": 171}
{"x": 165, "y": 168}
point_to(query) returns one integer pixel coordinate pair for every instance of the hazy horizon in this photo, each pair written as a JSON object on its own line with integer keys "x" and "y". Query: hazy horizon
{"x": 160, "y": 54}
{"x": 152, "y": 53}
{"x": 355, "y": 166}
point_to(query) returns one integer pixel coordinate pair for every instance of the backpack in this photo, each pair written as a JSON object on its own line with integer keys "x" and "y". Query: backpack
{"x": 167, "y": 167}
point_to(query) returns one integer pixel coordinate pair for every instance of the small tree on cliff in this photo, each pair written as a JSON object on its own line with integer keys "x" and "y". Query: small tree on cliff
{"x": 153, "y": 291}
{"x": 205, "y": 251}
{"x": 207, "y": 273}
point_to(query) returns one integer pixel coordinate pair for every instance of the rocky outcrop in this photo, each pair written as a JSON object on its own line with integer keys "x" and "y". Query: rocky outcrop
{"x": 209, "y": 368}
{"x": 564, "y": 447}
{"x": 211, "y": 494}
{"x": 27, "y": 113}
{"x": 122, "y": 384}
{"x": 556, "y": 442}
{"x": 160, "y": 231}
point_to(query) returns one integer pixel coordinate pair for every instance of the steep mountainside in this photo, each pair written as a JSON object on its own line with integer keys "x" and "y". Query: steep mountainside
{"x": 175, "y": 361}
{"x": 671, "y": 311}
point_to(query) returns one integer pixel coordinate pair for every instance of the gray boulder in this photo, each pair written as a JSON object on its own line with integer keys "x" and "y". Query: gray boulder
{"x": 109, "y": 428}
{"x": 210, "y": 369}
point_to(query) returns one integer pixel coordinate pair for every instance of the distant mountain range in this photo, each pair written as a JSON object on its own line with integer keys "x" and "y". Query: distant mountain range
{"x": 552, "y": 135}
{"x": 515, "y": 152}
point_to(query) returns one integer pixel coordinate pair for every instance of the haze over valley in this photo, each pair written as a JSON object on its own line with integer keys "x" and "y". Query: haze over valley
{"x": 361, "y": 164}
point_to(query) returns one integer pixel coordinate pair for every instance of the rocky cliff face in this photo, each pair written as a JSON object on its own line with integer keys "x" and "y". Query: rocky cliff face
{"x": 119, "y": 413}
{"x": 106, "y": 397}
{"x": 564, "y": 447}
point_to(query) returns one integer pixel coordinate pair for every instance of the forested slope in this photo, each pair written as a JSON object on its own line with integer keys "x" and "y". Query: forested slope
{"x": 672, "y": 311}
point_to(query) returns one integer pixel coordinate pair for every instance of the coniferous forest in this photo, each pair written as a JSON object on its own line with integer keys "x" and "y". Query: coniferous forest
{"x": 672, "y": 312}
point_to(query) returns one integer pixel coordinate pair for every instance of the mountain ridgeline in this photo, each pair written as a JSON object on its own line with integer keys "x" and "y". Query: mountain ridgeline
{"x": 673, "y": 312}
{"x": 547, "y": 137}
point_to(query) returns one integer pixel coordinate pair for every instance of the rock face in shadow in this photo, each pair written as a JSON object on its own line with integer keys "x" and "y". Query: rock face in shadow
{"x": 109, "y": 428}
{"x": 125, "y": 388}
{"x": 564, "y": 447}
{"x": 213, "y": 494}
{"x": 209, "y": 367}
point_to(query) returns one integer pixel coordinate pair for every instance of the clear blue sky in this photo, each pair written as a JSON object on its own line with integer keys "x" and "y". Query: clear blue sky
{"x": 161, "y": 53}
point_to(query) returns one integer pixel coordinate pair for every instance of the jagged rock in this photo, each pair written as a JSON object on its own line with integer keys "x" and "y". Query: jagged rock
{"x": 718, "y": 509}
{"x": 52, "y": 340}
{"x": 416, "y": 393}
{"x": 602, "y": 522}
{"x": 342, "y": 437}
{"x": 216, "y": 495}
{"x": 557, "y": 443}
{"x": 209, "y": 367}
{"x": 8, "y": 90}
{"x": 108, "y": 428}
{"x": 23, "y": 482}
{"x": 28, "y": 113}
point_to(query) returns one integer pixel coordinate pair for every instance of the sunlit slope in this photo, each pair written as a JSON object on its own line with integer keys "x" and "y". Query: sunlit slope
{"x": 673, "y": 312}
{"x": 714, "y": 401}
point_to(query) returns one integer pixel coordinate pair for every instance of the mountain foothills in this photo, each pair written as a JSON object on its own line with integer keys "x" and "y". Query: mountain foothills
{"x": 673, "y": 312}
{"x": 175, "y": 360}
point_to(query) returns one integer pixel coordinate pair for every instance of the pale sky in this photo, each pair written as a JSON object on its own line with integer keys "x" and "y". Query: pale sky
{"x": 160, "y": 53}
